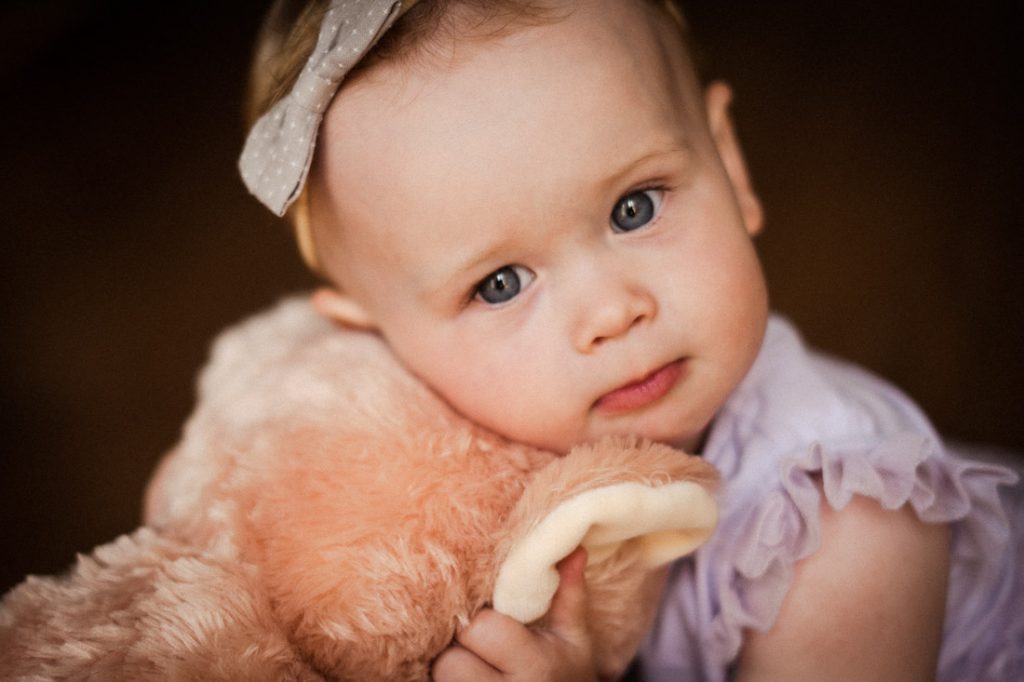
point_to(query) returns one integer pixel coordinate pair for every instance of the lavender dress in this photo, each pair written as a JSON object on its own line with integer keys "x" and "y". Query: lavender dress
{"x": 797, "y": 415}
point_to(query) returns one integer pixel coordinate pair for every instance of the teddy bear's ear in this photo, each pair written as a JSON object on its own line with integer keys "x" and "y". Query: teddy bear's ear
{"x": 658, "y": 523}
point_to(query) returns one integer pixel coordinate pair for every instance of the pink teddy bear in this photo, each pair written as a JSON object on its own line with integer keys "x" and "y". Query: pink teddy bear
{"x": 326, "y": 516}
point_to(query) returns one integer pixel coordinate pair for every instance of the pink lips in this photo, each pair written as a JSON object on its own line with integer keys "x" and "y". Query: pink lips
{"x": 643, "y": 392}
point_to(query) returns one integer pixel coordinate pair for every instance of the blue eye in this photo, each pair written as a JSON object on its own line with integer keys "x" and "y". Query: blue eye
{"x": 636, "y": 210}
{"x": 504, "y": 284}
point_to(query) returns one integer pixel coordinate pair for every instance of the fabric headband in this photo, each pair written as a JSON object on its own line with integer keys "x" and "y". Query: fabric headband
{"x": 279, "y": 149}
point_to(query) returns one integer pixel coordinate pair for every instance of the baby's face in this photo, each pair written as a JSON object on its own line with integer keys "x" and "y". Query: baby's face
{"x": 546, "y": 232}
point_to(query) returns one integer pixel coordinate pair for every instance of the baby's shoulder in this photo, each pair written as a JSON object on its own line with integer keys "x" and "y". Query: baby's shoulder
{"x": 872, "y": 594}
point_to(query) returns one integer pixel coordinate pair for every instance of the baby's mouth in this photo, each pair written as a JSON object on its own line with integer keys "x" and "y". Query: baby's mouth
{"x": 642, "y": 392}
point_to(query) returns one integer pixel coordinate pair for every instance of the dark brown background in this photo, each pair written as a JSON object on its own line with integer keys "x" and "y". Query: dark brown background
{"x": 884, "y": 143}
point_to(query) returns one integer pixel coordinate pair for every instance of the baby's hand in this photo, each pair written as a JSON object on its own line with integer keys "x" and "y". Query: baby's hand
{"x": 496, "y": 647}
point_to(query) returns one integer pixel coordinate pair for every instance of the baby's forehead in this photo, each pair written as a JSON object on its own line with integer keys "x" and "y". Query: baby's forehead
{"x": 433, "y": 34}
{"x": 505, "y": 124}
{"x": 545, "y": 115}
{"x": 582, "y": 47}
{"x": 644, "y": 27}
{"x": 594, "y": 56}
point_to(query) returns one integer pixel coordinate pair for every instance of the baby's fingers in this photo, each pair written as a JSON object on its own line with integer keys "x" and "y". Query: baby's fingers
{"x": 567, "y": 618}
{"x": 457, "y": 664}
{"x": 498, "y": 640}
{"x": 494, "y": 646}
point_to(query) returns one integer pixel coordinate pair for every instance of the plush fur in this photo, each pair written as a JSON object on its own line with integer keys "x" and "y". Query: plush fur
{"x": 325, "y": 516}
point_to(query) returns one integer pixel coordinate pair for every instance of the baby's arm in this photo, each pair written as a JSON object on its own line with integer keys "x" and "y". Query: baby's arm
{"x": 496, "y": 647}
{"x": 868, "y": 605}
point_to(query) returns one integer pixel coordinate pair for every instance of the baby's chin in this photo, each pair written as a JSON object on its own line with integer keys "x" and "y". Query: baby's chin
{"x": 687, "y": 442}
{"x": 665, "y": 426}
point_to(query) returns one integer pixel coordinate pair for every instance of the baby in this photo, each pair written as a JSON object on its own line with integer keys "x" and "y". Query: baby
{"x": 550, "y": 222}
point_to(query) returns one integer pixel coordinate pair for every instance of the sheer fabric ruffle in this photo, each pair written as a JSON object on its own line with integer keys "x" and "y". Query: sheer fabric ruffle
{"x": 903, "y": 470}
{"x": 801, "y": 427}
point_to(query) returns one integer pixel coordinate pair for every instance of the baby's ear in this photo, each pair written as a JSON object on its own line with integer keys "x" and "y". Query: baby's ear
{"x": 717, "y": 98}
{"x": 342, "y": 308}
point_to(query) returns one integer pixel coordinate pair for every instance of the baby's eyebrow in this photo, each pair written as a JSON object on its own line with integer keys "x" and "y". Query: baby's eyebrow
{"x": 675, "y": 149}
{"x": 455, "y": 274}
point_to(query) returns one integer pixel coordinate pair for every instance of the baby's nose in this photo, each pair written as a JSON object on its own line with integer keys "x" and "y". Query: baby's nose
{"x": 613, "y": 314}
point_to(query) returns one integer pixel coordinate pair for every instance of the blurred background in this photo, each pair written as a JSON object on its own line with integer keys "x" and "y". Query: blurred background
{"x": 884, "y": 142}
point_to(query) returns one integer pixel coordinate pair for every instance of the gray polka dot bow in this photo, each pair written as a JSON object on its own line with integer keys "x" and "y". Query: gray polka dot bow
{"x": 279, "y": 149}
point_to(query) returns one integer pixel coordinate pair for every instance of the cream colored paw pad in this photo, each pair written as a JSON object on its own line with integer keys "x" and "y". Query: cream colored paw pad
{"x": 662, "y": 523}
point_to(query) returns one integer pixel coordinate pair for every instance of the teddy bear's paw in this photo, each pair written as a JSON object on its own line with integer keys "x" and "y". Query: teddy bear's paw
{"x": 658, "y": 523}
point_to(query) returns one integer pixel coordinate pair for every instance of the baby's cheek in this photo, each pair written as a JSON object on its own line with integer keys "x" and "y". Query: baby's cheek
{"x": 516, "y": 386}
{"x": 538, "y": 421}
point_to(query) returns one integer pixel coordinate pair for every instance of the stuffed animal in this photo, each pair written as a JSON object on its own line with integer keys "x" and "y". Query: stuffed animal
{"x": 326, "y": 516}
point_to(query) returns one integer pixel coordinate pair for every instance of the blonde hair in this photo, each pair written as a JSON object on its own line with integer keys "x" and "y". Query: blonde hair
{"x": 289, "y": 33}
